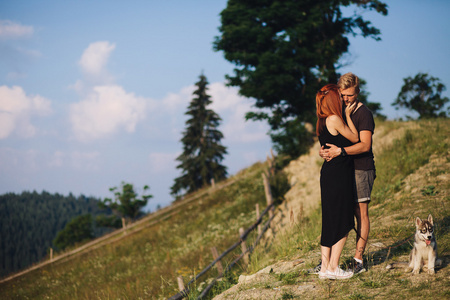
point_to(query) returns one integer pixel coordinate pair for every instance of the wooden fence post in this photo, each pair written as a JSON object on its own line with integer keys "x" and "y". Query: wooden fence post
{"x": 218, "y": 263}
{"x": 51, "y": 254}
{"x": 124, "y": 225}
{"x": 257, "y": 217}
{"x": 269, "y": 198}
{"x": 271, "y": 161}
{"x": 213, "y": 183}
{"x": 180, "y": 283}
{"x": 243, "y": 246}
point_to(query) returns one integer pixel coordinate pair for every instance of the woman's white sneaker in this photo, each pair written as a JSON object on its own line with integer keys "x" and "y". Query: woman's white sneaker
{"x": 323, "y": 275}
{"x": 338, "y": 274}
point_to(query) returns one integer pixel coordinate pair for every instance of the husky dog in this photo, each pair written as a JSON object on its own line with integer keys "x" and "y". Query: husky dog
{"x": 425, "y": 247}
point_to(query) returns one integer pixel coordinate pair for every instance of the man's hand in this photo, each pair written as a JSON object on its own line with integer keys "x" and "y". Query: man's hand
{"x": 322, "y": 152}
{"x": 349, "y": 109}
{"x": 330, "y": 153}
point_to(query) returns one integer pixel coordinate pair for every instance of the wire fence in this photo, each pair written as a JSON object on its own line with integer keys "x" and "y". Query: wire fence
{"x": 242, "y": 239}
{"x": 246, "y": 251}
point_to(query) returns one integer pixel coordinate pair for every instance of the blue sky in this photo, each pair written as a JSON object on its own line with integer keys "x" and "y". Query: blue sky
{"x": 93, "y": 93}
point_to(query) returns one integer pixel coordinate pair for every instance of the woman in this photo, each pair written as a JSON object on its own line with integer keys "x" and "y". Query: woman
{"x": 336, "y": 180}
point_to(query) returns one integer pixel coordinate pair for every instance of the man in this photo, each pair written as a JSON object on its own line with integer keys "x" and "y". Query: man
{"x": 364, "y": 164}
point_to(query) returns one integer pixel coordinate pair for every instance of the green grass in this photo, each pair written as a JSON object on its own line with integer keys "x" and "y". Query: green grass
{"x": 287, "y": 278}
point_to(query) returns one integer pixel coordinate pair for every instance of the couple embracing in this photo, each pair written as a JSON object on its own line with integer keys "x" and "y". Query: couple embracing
{"x": 347, "y": 174}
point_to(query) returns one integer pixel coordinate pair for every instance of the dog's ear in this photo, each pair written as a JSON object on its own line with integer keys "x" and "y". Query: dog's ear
{"x": 430, "y": 219}
{"x": 418, "y": 222}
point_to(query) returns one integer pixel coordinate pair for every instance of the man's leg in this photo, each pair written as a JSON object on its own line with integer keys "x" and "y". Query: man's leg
{"x": 364, "y": 183}
{"x": 363, "y": 228}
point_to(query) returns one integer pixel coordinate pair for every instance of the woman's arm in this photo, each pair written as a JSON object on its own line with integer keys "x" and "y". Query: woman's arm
{"x": 348, "y": 111}
{"x": 349, "y": 132}
{"x": 336, "y": 125}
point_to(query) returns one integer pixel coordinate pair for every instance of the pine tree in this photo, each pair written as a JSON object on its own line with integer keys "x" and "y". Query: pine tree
{"x": 202, "y": 151}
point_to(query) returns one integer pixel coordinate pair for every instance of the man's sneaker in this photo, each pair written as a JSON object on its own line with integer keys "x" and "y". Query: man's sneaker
{"x": 357, "y": 267}
{"x": 338, "y": 274}
{"x": 316, "y": 269}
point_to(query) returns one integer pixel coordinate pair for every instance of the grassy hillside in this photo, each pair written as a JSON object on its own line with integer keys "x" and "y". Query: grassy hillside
{"x": 412, "y": 180}
{"x": 145, "y": 262}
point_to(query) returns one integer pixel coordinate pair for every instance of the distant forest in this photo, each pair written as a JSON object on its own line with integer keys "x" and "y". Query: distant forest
{"x": 30, "y": 221}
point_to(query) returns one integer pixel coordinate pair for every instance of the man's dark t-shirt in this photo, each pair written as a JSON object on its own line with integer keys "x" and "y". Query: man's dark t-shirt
{"x": 363, "y": 120}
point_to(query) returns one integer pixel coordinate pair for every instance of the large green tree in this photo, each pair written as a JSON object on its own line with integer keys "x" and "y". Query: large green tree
{"x": 422, "y": 93}
{"x": 203, "y": 152}
{"x": 285, "y": 50}
{"x": 125, "y": 204}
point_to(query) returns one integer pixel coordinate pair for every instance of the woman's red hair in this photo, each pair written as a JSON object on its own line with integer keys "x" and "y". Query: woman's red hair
{"x": 328, "y": 102}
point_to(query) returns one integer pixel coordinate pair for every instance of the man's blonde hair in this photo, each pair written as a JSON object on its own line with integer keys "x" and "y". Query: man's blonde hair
{"x": 349, "y": 80}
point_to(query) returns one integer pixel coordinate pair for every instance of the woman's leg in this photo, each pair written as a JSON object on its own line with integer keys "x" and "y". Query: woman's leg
{"x": 326, "y": 253}
{"x": 336, "y": 251}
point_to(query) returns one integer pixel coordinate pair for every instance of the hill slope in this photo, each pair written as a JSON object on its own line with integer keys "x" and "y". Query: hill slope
{"x": 408, "y": 185}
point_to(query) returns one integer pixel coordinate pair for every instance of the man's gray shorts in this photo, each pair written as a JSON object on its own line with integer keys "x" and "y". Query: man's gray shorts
{"x": 364, "y": 182}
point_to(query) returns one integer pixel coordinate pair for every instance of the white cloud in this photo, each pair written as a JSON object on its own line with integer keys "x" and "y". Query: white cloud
{"x": 106, "y": 110}
{"x": 227, "y": 103}
{"x": 12, "y": 52}
{"x": 226, "y": 98}
{"x": 232, "y": 108}
{"x": 78, "y": 86}
{"x": 95, "y": 57}
{"x": 93, "y": 63}
{"x": 173, "y": 103}
{"x": 16, "y": 109}
{"x": 11, "y": 30}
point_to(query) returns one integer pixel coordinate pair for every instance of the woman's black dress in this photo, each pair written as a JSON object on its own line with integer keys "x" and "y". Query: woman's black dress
{"x": 337, "y": 191}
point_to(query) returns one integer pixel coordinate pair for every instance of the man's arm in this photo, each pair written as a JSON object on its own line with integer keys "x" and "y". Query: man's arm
{"x": 365, "y": 137}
